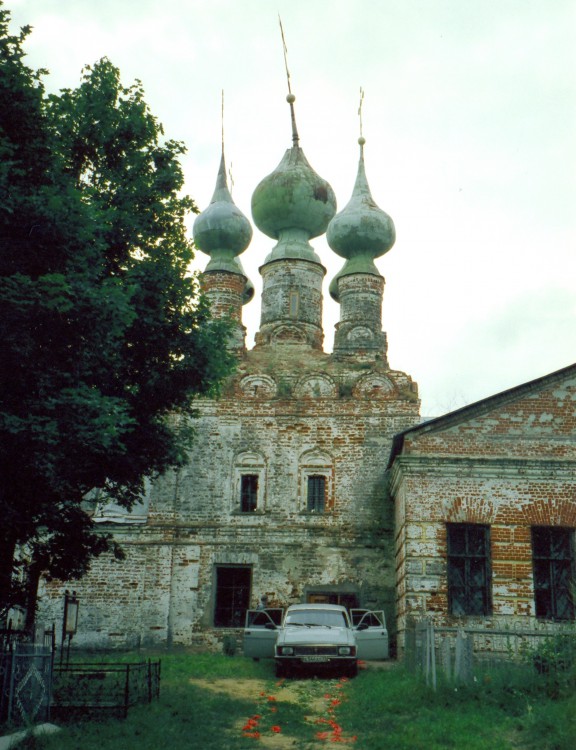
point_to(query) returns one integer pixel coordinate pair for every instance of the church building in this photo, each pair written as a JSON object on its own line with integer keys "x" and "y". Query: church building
{"x": 485, "y": 504}
{"x": 284, "y": 495}
{"x": 312, "y": 479}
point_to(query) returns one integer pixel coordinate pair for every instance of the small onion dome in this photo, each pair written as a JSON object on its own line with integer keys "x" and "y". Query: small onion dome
{"x": 222, "y": 231}
{"x": 361, "y": 231}
{"x": 293, "y": 197}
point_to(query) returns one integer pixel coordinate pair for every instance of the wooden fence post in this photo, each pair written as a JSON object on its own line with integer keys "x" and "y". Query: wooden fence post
{"x": 127, "y": 691}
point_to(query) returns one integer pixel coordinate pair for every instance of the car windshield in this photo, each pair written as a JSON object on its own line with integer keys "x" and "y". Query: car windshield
{"x": 316, "y": 617}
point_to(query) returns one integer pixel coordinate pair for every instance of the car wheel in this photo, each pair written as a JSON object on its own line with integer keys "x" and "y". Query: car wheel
{"x": 281, "y": 670}
{"x": 352, "y": 670}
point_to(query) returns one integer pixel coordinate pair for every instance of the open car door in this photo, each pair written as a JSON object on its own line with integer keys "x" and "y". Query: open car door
{"x": 371, "y": 634}
{"x": 260, "y": 632}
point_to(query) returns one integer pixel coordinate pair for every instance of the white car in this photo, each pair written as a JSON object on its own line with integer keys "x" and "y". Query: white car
{"x": 315, "y": 636}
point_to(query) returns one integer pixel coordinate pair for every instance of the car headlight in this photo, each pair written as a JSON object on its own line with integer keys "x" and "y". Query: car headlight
{"x": 286, "y": 650}
{"x": 346, "y": 651}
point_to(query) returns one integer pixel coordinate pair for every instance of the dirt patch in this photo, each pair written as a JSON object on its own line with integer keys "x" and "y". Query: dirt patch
{"x": 255, "y": 690}
{"x": 315, "y": 698}
{"x": 280, "y": 741}
{"x": 289, "y": 692}
{"x": 233, "y": 687}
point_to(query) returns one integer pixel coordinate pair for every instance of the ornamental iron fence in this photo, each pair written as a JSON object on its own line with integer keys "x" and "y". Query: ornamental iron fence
{"x": 103, "y": 687}
{"x": 25, "y": 677}
{"x": 35, "y": 688}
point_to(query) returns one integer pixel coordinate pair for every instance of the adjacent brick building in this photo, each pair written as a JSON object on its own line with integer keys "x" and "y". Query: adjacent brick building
{"x": 485, "y": 504}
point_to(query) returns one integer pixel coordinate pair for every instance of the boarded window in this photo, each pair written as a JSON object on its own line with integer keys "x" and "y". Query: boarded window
{"x": 316, "y": 493}
{"x": 468, "y": 569}
{"x": 232, "y": 596}
{"x": 248, "y": 493}
{"x": 553, "y": 561}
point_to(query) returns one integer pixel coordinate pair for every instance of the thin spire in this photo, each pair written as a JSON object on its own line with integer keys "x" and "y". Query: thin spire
{"x": 231, "y": 178}
{"x": 290, "y": 98}
{"x": 222, "y": 182}
{"x": 221, "y": 191}
{"x": 222, "y": 120}
{"x": 361, "y": 139}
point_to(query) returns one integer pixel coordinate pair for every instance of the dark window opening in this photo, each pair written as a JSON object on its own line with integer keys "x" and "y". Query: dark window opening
{"x": 316, "y": 493}
{"x": 468, "y": 569}
{"x": 248, "y": 493}
{"x": 350, "y": 601}
{"x": 261, "y": 618}
{"x": 553, "y": 561}
{"x": 232, "y": 596}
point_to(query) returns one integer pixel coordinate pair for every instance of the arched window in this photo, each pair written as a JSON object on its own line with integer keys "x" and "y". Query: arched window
{"x": 316, "y": 482}
{"x": 249, "y": 483}
{"x": 553, "y": 565}
{"x": 316, "y": 493}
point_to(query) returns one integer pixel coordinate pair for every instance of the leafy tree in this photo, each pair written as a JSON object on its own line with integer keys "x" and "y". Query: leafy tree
{"x": 105, "y": 337}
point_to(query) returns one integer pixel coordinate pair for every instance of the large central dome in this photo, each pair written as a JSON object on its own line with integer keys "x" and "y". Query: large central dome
{"x": 292, "y": 205}
{"x": 293, "y": 196}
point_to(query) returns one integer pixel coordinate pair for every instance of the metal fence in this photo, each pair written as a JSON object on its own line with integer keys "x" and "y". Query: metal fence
{"x": 25, "y": 678}
{"x": 460, "y": 655}
{"x": 94, "y": 688}
{"x": 33, "y": 688}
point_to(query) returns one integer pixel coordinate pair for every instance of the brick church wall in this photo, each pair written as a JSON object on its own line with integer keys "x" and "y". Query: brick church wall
{"x": 293, "y": 410}
{"x": 511, "y": 467}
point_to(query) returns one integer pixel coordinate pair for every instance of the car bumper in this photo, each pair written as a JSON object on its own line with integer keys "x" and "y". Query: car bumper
{"x": 314, "y": 662}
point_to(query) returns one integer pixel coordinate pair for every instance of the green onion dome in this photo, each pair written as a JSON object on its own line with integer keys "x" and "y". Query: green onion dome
{"x": 293, "y": 203}
{"x": 361, "y": 231}
{"x": 293, "y": 196}
{"x": 222, "y": 231}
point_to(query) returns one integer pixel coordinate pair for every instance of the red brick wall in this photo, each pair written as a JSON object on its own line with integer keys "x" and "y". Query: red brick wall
{"x": 287, "y": 407}
{"x": 511, "y": 467}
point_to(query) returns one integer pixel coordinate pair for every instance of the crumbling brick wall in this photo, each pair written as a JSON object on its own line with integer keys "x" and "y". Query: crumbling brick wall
{"x": 288, "y": 410}
{"x": 508, "y": 462}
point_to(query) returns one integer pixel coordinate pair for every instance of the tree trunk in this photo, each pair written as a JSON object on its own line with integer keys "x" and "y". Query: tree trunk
{"x": 7, "y": 589}
{"x": 34, "y": 572}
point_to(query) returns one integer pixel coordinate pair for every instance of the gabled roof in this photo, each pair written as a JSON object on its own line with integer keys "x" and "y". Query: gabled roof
{"x": 479, "y": 408}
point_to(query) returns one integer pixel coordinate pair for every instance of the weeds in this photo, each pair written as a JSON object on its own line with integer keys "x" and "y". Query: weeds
{"x": 217, "y": 702}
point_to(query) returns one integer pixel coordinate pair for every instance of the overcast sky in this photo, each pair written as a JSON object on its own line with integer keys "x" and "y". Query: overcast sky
{"x": 470, "y": 121}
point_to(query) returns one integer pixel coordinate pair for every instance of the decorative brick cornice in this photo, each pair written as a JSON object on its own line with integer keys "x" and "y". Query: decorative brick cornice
{"x": 481, "y": 408}
{"x": 533, "y": 469}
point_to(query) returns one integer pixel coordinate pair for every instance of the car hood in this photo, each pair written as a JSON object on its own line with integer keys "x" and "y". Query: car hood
{"x": 316, "y": 634}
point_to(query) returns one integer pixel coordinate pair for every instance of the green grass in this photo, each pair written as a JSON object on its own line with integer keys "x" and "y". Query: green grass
{"x": 411, "y": 717}
{"x": 383, "y": 708}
